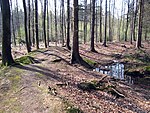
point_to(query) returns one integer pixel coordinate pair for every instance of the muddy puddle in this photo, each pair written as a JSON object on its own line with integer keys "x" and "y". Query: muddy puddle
{"x": 116, "y": 70}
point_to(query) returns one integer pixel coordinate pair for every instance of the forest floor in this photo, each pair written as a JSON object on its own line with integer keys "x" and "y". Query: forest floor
{"x": 50, "y": 83}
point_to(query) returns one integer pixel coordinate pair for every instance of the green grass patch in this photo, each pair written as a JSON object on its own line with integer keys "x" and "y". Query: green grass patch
{"x": 73, "y": 110}
{"x": 25, "y": 60}
{"x": 90, "y": 62}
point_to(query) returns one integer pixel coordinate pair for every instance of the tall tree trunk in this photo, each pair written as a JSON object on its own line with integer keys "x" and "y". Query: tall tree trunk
{"x": 134, "y": 25}
{"x": 56, "y": 38}
{"x": 6, "y": 39}
{"x": 18, "y": 20}
{"x": 51, "y": 21}
{"x": 13, "y": 26}
{"x": 36, "y": 24}
{"x": 110, "y": 36}
{"x": 132, "y": 21}
{"x": 127, "y": 22}
{"x": 25, "y": 26}
{"x": 139, "y": 38}
{"x": 62, "y": 21}
{"x": 29, "y": 24}
{"x": 100, "y": 20}
{"x": 33, "y": 38}
{"x": 75, "y": 56}
{"x": 113, "y": 21}
{"x": 44, "y": 24}
{"x": 85, "y": 21}
{"x": 96, "y": 21}
{"x": 68, "y": 25}
{"x": 47, "y": 24}
{"x": 93, "y": 25}
{"x": 105, "y": 38}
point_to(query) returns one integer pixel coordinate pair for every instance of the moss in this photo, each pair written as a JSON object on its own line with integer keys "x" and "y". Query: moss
{"x": 147, "y": 68}
{"x": 25, "y": 60}
{"x": 90, "y": 62}
{"x": 73, "y": 110}
{"x": 87, "y": 86}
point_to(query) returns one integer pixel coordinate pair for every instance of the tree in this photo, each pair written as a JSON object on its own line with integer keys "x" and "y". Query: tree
{"x": 6, "y": 38}
{"x": 105, "y": 38}
{"x": 12, "y": 21}
{"x": 110, "y": 30}
{"x": 44, "y": 23}
{"x": 93, "y": 25}
{"x": 127, "y": 22}
{"x": 36, "y": 24}
{"x": 33, "y": 22}
{"x": 100, "y": 20}
{"x": 29, "y": 22}
{"x": 25, "y": 26}
{"x": 68, "y": 25}
{"x": 139, "y": 38}
{"x": 47, "y": 24}
{"x": 85, "y": 21}
{"x": 75, "y": 56}
{"x": 55, "y": 22}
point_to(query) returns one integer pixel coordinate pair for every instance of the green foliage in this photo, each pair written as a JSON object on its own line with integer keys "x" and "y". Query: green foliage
{"x": 87, "y": 86}
{"x": 25, "y": 60}
{"x": 147, "y": 68}
{"x": 90, "y": 62}
{"x": 73, "y": 110}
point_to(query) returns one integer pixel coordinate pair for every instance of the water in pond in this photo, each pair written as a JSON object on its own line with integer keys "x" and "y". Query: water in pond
{"x": 116, "y": 70}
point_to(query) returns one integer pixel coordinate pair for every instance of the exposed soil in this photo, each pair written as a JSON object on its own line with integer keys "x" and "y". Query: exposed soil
{"x": 50, "y": 85}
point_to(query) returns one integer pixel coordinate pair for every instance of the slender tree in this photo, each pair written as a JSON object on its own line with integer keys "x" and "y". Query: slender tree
{"x": 29, "y": 23}
{"x": 13, "y": 26}
{"x": 18, "y": 20}
{"x": 127, "y": 22}
{"x": 68, "y": 25}
{"x": 100, "y": 20}
{"x": 25, "y": 26}
{"x": 75, "y": 56}
{"x": 47, "y": 24}
{"x": 110, "y": 30}
{"x": 105, "y": 38}
{"x": 93, "y": 26}
{"x": 44, "y": 24}
{"x": 56, "y": 38}
{"x": 85, "y": 21}
{"x": 135, "y": 19}
{"x": 139, "y": 38}
{"x": 6, "y": 38}
{"x": 36, "y": 24}
{"x": 33, "y": 22}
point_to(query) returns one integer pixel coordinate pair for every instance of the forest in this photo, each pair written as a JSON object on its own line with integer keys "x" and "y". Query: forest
{"x": 74, "y": 56}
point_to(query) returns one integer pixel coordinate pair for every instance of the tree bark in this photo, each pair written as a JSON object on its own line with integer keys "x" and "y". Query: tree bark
{"x": 56, "y": 38}
{"x": 44, "y": 24}
{"x": 33, "y": 38}
{"x": 93, "y": 26}
{"x": 36, "y": 24}
{"x": 105, "y": 38}
{"x": 13, "y": 26}
{"x": 6, "y": 38}
{"x": 85, "y": 21}
{"x": 75, "y": 57}
{"x": 68, "y": 25}
{"x": 101, "y": 20}
{"x": 127, "y": 22}
{"x": 29, "y": 23}
{"x": 47, "y": 24}
{"x": 139, "y": 38}
{"x": 25, "y": 26}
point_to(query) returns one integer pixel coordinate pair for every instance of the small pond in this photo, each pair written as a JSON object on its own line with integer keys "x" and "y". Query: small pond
{"x": 115, "y": 70}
